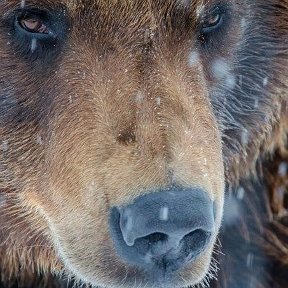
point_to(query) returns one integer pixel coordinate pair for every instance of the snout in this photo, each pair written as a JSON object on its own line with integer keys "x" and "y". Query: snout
{"x": 163, "y": 230}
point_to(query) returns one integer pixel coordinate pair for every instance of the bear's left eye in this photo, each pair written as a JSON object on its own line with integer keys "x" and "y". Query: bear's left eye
{"x": 212, "y": 21}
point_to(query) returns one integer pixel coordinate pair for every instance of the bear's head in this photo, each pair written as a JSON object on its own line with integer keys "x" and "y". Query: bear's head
{"x": 117, "y": 120}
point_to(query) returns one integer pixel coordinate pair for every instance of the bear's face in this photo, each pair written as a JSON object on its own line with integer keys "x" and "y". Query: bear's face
{"x": 103, "y": 102}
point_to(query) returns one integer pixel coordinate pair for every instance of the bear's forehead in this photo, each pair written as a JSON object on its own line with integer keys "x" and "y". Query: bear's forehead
{"x": 74, "y": 6}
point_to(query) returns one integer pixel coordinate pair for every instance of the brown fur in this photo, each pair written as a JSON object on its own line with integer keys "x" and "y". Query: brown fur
{"x": 116, "y": 113}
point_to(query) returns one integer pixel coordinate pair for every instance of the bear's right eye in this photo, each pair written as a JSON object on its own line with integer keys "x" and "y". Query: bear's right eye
{"x": 38, "y": 33}
{"x": 36, "y": 24}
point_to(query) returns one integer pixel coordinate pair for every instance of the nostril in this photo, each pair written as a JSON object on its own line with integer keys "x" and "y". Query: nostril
{"x": 156, "y": 237}
{"x": 154, "y": 244}
{"x": 157, "y": 243}
{"x": 160, "y": 245}
{"x": 195, "y": 241}
{"x": 196, "y": 234}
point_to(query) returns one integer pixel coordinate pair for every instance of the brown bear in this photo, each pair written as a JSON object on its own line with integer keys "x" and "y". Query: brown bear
{"x": 123, "y": 123}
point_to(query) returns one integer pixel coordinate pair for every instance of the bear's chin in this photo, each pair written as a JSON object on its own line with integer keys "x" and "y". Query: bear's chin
{"x": 114, "y": 273}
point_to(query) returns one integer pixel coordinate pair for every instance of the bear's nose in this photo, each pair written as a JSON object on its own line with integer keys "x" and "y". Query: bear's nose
{"x": 166, "y": 229}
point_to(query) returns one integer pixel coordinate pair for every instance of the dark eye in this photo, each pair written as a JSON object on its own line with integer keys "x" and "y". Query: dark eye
{"x": 212, "y": 21}
{"x": 33, "y": 25}
{"x": 37, "y": 34}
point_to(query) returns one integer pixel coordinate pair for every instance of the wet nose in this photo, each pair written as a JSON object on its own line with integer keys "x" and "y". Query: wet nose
{"x": 166, "y": 229}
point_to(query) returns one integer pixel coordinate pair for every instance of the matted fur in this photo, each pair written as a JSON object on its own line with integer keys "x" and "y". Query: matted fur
{"x": 119, "y": 109}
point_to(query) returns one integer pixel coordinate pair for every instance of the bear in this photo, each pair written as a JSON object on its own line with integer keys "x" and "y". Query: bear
{"x": 126, "y": 125}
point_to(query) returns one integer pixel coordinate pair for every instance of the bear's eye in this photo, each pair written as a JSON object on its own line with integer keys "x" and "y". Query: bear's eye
{"x": 38, "y": 24}
{"x": 37, "y": 34}
{"x": 33, "y": 25}
{"x": 212, "y": 21}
